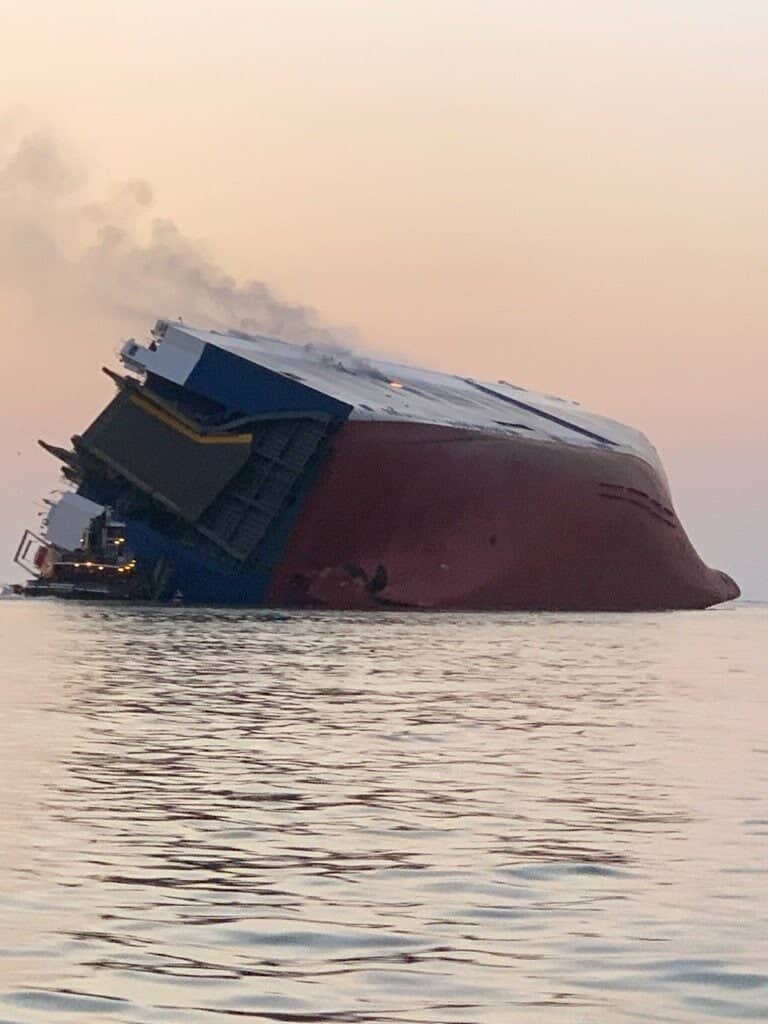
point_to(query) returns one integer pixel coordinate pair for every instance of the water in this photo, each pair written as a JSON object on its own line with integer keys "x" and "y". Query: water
{"x": 214, "y": 816}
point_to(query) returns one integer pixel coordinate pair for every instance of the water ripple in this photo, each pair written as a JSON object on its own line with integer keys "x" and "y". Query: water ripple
{"x": 226, "y": 815}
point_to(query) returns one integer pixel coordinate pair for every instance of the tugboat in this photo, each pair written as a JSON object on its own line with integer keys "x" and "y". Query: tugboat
{"x": 83, "y": 555}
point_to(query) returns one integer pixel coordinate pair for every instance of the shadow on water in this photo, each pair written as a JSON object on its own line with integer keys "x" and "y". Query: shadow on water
{"x": 323, "y": 817}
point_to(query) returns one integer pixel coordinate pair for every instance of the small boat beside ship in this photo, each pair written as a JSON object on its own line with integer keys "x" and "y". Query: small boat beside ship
{"x": 83, "y": 554}
{"x": 233, "y": 468}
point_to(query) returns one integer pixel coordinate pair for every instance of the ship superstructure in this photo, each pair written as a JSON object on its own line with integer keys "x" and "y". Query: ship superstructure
{"x": 246, "y": 469}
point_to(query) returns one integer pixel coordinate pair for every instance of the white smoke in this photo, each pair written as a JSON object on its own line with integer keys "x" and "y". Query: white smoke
{"x": 115, "y": 257}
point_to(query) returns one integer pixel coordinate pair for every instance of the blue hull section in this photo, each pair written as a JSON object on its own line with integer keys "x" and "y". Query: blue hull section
{"x": 191, "y": 574}
{"x": 243, "y": 387}
{"x": 195, "y": 570}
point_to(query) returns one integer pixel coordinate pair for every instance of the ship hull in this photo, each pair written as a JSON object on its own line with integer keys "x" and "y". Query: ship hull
{"x": 430, "y": 517}
{"x": 245, "y": 470}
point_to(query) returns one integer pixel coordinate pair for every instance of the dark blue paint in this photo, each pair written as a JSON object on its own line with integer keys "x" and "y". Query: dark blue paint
{"x": 203, "y": 579}
{"x": 243, "y": 386}
{"x": 198, "y": 577}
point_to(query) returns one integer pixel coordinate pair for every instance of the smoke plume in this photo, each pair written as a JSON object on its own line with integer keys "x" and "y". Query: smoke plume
{"x": 115, "y": 257}
{"x": 81, "y": 268}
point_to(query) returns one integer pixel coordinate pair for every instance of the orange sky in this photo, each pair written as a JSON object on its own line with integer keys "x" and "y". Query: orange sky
{"x": 569, "y": 195}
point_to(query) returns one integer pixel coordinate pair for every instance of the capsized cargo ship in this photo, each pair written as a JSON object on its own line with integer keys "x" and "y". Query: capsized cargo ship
{"x": 234, "y": 468}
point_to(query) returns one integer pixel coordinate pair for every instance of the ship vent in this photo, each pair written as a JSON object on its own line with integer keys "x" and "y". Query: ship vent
{"x": 240, "y": 517}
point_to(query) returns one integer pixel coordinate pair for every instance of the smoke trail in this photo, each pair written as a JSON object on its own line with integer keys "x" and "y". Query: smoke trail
{"x": 81, "y": 269}
{"x": 115, "y": 258}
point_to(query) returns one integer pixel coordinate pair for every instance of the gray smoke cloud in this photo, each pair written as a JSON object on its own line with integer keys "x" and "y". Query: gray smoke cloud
{"x": 116, "y": 258}
{"x": 83, "y": 266}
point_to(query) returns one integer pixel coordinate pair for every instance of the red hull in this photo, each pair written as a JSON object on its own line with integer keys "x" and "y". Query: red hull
{"x": 433, "y": 517}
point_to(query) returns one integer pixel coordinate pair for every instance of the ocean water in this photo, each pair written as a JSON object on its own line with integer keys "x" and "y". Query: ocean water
{"x": 212, "y": 816}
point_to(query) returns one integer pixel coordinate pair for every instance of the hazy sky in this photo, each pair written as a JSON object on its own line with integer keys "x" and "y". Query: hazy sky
{"x": 569, "y": 195}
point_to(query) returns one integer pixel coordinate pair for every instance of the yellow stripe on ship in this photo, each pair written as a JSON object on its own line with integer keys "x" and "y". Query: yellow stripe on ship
{"x": 181, "y": 428}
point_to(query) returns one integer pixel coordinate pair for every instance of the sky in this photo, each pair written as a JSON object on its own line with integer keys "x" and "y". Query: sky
{"x": 567, "y": 195}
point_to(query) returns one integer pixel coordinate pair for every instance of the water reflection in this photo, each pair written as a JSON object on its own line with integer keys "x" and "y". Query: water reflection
{"x": 386, "y": 818}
